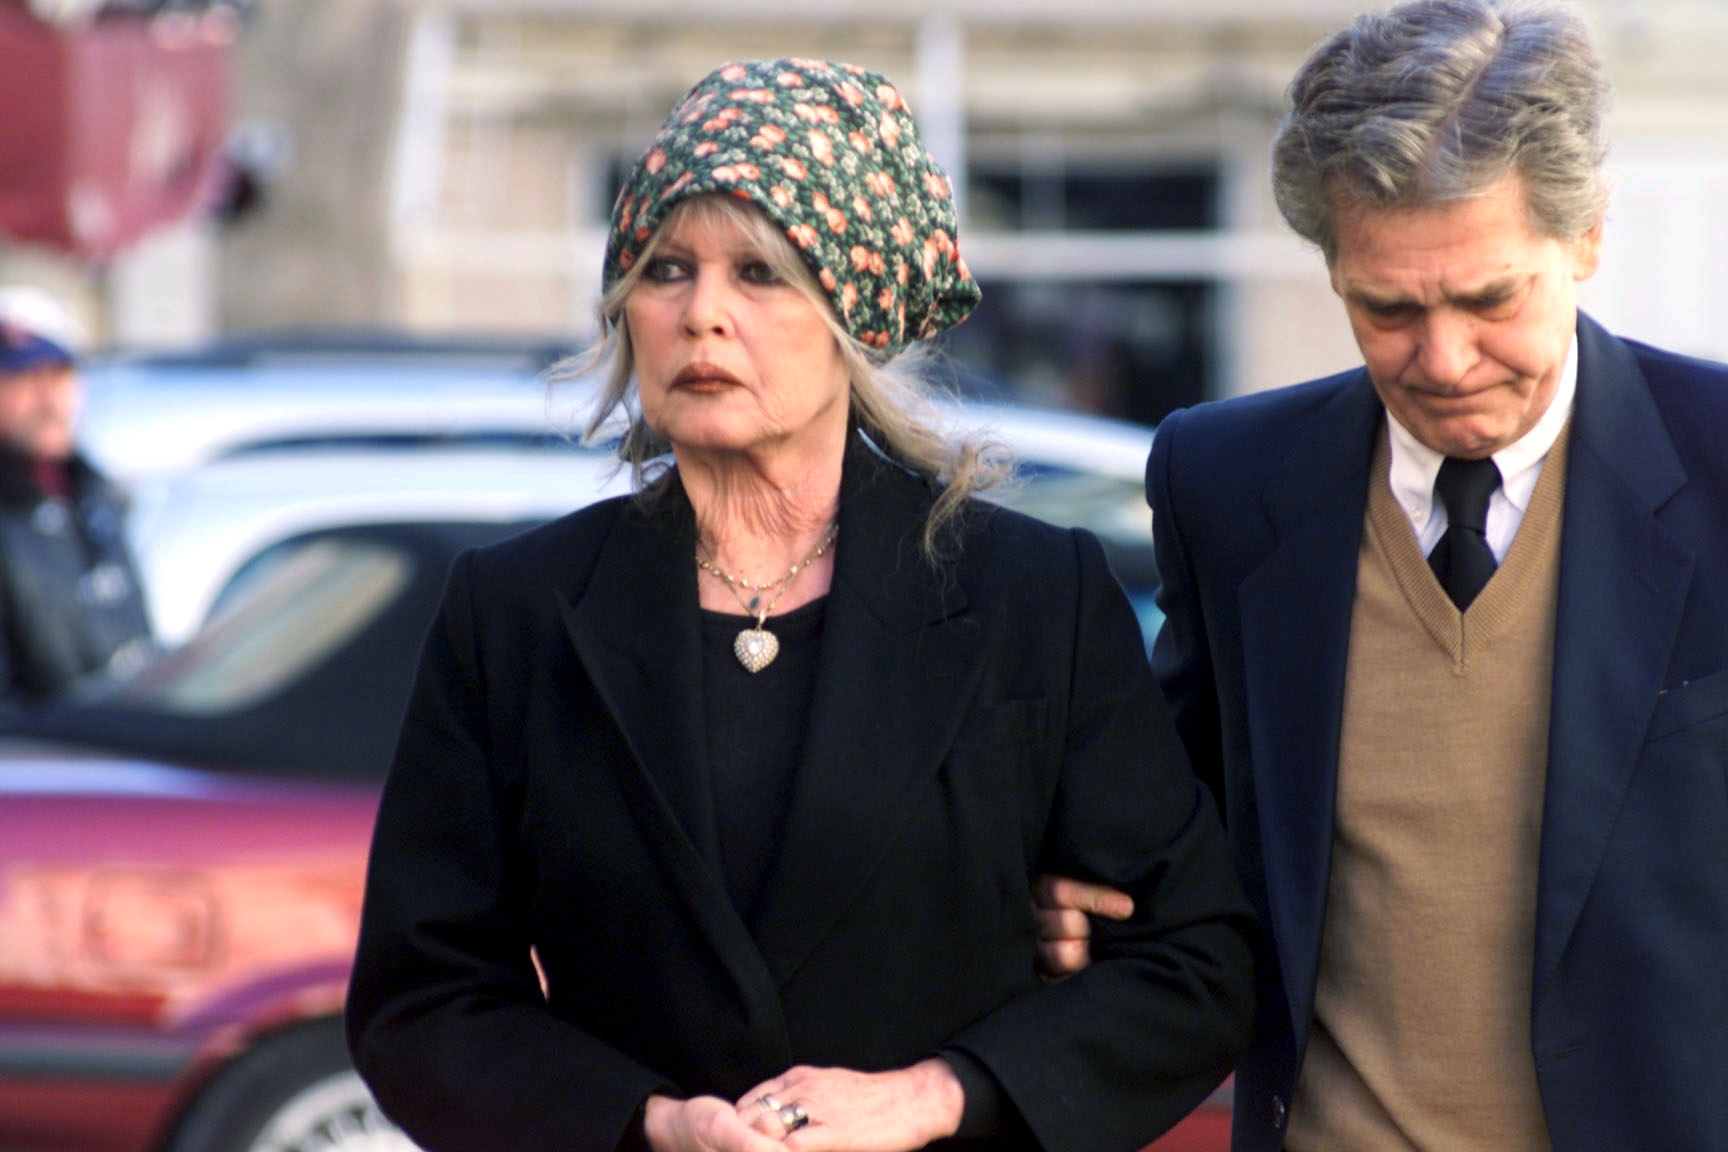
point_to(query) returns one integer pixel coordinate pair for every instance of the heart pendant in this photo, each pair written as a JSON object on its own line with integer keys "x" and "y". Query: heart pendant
{"x": 756, "y": 648}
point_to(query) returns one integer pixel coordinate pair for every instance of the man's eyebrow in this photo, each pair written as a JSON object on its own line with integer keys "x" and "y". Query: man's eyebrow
{"x": 1371, "y": 299}
{"x": 1491, "y": 292}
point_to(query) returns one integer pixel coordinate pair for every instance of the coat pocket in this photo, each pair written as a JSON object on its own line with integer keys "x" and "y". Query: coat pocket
{"x": 1690, "y": 704}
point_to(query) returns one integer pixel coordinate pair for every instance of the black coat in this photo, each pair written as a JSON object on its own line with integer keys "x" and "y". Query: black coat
{"x": 70, "y": 601}
{"x": 970, "y": 727}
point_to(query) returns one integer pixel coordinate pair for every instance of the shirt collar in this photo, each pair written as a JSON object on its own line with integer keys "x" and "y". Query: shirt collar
{"x": 1415, "y": 465}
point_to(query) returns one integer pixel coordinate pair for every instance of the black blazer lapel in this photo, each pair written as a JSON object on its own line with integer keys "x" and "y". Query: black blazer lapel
{"x": 1623, "y": 582}
{"x": 896, "y": 672}
{"x": 636, "y": 630}
{"x": 1295, "y": 612}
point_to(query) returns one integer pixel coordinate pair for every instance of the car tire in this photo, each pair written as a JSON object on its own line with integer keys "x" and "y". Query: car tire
{"x": 295, "y": 1092}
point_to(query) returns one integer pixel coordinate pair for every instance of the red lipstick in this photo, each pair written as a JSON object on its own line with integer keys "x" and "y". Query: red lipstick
{"x": 699, "y": 374}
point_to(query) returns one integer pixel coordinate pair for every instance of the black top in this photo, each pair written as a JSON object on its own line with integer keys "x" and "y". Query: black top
{"x": 756, "y": 726}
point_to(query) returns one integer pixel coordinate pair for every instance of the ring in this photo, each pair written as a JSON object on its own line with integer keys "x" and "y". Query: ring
{"x": 792, "y": 1116}
{"x": 769, "y": 1104}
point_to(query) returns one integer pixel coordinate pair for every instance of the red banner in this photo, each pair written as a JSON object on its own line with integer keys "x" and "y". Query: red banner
{"x": 110, "y": 130}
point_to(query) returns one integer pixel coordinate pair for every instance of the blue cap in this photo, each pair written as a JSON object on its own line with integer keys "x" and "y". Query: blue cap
{"x": 35, "y": 330}
{"x": 22, "y": 351}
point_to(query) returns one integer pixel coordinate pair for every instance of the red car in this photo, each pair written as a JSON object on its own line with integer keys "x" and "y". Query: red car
{"x": 174, "y": 939}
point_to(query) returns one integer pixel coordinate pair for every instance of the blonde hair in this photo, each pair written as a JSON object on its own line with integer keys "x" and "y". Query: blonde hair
{"x": 891, "y": 401}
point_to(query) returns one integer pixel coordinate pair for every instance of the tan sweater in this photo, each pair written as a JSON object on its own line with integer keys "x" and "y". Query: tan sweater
{"x": 1421, "y": 1033}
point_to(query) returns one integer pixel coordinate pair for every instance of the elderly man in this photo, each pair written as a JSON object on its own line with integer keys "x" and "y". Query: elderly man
{"x": 1450, "y": 632}
{"x": 69, "y": 597}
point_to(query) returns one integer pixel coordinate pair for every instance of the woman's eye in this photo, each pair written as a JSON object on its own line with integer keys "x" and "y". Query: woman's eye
{"x": 662, "y": 269}
{"x": 758, "y": 272}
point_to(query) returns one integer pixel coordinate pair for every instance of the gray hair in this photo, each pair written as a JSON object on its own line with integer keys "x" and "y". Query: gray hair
{"x": 1439, "y": 100}
{"x": 891, "y": 402}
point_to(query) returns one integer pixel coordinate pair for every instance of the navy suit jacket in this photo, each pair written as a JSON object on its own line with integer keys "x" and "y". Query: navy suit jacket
{"x": 1258, "y": 508}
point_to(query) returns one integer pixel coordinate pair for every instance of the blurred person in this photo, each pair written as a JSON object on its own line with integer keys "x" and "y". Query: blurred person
{"x": 70, "y": 600}
{"x": 1448, "y": 634}
{"x": 758, "y": 765}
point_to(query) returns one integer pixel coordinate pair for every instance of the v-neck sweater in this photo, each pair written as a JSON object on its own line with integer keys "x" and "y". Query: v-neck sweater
{"x": 1421, "y": 1032}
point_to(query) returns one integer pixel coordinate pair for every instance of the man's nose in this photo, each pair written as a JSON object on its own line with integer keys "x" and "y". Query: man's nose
{"x": 1448, "y": 346}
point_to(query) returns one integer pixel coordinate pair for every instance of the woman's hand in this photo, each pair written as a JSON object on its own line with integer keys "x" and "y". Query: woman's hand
{"x": 1064, "y": 930}
{"x": 704, "y": 1124}
{"x": 859, "y": 1111}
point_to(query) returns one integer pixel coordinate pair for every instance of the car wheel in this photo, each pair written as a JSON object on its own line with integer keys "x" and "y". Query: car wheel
{"x": 296, "y": 1092}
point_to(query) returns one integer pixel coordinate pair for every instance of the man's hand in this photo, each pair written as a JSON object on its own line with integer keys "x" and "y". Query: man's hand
{"x": 1064, "y": 930}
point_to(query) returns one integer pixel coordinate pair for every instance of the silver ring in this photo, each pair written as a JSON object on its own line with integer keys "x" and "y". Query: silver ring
{"x": 792, "y": 1117}
{"x": 769, "y": 1104}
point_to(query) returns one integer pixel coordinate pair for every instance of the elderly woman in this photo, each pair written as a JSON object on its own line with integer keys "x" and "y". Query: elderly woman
{"x": 717, "y": 809}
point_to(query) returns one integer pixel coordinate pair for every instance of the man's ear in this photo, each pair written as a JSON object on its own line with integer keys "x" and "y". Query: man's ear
{"x": 1587, "y": 252}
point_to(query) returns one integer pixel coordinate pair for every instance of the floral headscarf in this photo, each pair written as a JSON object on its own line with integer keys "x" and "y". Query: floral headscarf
{"x": 829, "y": 153}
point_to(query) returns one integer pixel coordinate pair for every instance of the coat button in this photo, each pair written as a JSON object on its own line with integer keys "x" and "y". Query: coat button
{"x": 1279, "y": 1112}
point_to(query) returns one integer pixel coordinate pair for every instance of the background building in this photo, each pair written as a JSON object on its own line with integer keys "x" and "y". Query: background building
{"x": 450, "y": 165}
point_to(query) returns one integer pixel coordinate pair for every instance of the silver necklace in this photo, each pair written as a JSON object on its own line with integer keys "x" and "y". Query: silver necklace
{"x": 756, "y": 647}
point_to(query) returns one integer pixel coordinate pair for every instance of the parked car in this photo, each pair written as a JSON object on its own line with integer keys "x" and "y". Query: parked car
{"x": 181, "y": 860}
{"x": 193, "y": 532}
{"x": 161, "y": 414}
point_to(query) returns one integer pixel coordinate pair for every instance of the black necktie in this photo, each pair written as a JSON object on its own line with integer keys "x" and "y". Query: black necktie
{"x": 1462, "y": 560}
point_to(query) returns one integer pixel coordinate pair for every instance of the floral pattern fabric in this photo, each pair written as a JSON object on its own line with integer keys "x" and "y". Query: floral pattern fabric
{"x": 829, "y": 152}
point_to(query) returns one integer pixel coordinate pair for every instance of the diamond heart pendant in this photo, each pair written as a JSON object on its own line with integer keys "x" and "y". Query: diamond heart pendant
{"x": 756, "y": 648}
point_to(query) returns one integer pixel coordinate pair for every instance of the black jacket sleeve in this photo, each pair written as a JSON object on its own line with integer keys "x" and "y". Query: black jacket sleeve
{"x": 1133, "y": 1043}
{"x": 444, "y": 935}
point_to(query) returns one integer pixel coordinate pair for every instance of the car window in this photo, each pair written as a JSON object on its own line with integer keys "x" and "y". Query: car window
{"x": 1111, "y": 507}
{"x": 288, "y": 609}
